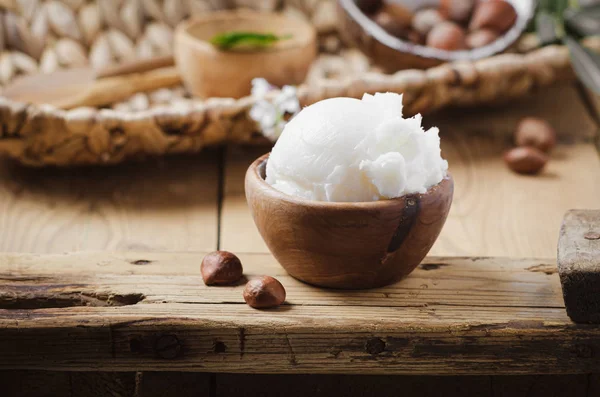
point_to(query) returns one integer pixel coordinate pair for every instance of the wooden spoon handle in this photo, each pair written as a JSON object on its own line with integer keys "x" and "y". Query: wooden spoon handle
{"x": 109, "y": 90}
{"x": 138, "y": 66}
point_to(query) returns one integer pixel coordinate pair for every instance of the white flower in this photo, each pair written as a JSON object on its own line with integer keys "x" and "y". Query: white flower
{"x": 287, "y": 100}
{"x": 270, "y": 114}
{"x": 260, "y": 87}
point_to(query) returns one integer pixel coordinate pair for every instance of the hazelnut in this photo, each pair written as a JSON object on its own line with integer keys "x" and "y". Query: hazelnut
{"x": 369, "y": 6}
{"x": 390, "y": 24}
{"x": 221, "y": 268}
{"x": 536, "y": 133}
{"x": 424, "y": 20}
{"x": 414, "y": 37}
{"x": 264, "y": 292}
{"x": 457, "y": 10}
{"x": 525, "y": 160}
{"x": 496, "y": 15}
{"x": 482, "y": 37}
{"x": 447, "y": 36}
{"x": 400, "y": 13}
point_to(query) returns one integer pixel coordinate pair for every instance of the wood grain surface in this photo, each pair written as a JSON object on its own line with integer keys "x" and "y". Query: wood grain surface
{"x": 150, "y": 311}
{"x": 156, "y": 205}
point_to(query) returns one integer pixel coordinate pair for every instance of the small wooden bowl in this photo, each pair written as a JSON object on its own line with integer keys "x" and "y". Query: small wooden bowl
{"x": 347, "y": 245}
{"x": 210, "y": 72}
{"x": 394, "y": 54}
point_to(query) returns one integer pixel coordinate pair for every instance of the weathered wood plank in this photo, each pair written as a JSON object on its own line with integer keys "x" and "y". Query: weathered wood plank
{"x": 178, "y": 384}
{"x": 174, "y": 384}
{"x": 238, "y": 385}
{"x": 475, "y": 316}
{"x": 103, "y": 279}
{"x": 579, "y": 264}
{"x": 561, "y": 105}
{"x": 541, "y": 386}
{"x": 35, "y": 383}
{"x": 304, "y": 339}
{"x": 238, "y": 232}
{"x": 100, "y": 384}
{"x": 156, "y": 205}
{"x": 229, "y": 385}
{"x": 499, "y": 213}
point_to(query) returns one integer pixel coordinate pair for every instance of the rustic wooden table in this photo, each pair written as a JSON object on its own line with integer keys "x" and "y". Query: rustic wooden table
{"x": 101, "y": 292}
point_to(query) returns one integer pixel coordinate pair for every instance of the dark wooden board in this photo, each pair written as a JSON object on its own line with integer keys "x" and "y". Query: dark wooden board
{"x": 161, "y": 384}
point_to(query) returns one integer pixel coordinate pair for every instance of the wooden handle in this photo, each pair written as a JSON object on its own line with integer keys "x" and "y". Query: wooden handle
{"x": 109, "y": 90}
{"x": 139, "y": 66}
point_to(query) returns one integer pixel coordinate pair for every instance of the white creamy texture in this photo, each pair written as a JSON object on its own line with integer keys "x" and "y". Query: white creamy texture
{"x": 350, "y": 150}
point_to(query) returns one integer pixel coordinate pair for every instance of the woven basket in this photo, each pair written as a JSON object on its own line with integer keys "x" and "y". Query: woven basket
{"x": 45, "y": 35}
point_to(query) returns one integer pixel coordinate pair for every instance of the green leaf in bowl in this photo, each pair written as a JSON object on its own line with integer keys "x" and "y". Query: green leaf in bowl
{"x": 251, "y": 40}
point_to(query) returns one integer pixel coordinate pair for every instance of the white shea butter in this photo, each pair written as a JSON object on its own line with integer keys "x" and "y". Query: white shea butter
{"x": 350, "y": 150}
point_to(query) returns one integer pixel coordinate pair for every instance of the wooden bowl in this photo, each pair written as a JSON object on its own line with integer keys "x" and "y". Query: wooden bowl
{"x": 210, "y": 72}
{"x": 347, "y": 245}
{"x": 394, "y": 54}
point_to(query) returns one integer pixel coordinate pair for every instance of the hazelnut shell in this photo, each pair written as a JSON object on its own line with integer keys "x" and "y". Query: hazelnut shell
{"x": 525, "y": 160}
{"x": 447, "y": 36}
{"x": 221, "y": 268}
{"x": 389, "y": 24}
{"x": 497, "y": 15}
{"x": 264, "y": 292}
{"x": 369, "y": 6}
{"x": 400, "y": 13}
{"x": 536, "y": 133}
{"x": 480, "y": 38}
{"x": 425, "y": 20}
{"x": 457, "y": 10}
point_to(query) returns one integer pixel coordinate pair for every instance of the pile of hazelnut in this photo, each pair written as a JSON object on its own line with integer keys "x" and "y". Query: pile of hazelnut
{"x": 454, "y": 25}
{"x": 225, "y": 268}
{"x": 534, "y": 138}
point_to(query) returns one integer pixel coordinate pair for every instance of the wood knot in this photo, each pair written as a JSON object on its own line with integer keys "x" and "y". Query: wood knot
{"x": 168, "y": 347}
{"x": 431, "y": 266}
{"x": 219, "y": 347}
{"x": 141, "y": 262}
{"x": 374, "y": 346}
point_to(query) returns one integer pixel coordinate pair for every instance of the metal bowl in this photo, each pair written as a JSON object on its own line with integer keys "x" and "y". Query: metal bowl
{"x": 393, "y": 53}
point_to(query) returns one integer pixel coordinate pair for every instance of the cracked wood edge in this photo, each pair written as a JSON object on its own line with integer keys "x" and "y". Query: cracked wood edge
{"x": 477, "y": 316}
{"x": 579, "y": 264}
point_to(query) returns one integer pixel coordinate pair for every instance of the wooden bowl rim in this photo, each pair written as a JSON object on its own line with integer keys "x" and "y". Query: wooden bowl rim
{"x": 182, "y": 32}
{"x": 371, "y": 28}
{"x": 254, "y": 173}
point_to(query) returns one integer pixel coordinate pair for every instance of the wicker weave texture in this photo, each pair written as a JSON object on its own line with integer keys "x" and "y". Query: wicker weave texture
{"x": 44, "y": 35}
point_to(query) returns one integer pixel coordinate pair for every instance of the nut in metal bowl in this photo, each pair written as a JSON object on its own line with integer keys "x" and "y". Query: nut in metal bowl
{"x": 393, "y": 53}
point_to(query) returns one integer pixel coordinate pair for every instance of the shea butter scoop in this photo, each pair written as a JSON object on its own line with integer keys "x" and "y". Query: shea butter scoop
{"x": 351, "y": 150}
